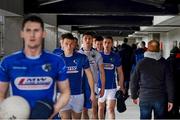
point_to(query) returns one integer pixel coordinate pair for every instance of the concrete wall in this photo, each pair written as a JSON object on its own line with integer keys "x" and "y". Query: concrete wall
{"x": 166, "y": 45}
{"x": 12, "y": 41}
{"x": 51, "y": 38}
{"x": 168, "y": 39}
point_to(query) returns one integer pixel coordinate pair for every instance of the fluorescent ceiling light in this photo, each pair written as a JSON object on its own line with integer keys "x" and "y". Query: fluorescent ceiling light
{"x": 50, "y": 2}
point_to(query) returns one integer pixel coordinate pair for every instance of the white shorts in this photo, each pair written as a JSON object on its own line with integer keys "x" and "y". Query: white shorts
{"x": 109, "y": 94}
{"x": 75, "y": 103}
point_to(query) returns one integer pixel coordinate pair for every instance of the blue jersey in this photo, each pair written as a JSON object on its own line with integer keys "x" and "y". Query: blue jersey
{"x": 58, "y": 51}
{"x": 75, "y": 68}
{"x": 33, "y": 79}
{"x": 111, "y": 62}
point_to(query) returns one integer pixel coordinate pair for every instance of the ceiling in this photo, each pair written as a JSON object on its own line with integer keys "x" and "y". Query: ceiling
{"x": 104, "y": 17}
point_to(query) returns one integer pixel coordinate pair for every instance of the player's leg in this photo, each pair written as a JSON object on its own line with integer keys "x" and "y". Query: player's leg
{"x": 110, "y": 108}
{"x": 95, "y": 109}
{"x": 101, "y": 106}
{"x": 77, "y": 106}
{"x": 111, "y": 102}
{"x": 65, "y": 114}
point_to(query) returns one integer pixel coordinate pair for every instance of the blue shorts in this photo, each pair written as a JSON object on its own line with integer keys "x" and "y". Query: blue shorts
{"x": 87, "y": 93}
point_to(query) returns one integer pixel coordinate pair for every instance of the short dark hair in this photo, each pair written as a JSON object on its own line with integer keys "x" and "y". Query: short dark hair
{"x": 99, "y": 38}
{"x": 108, "y": 37}
{"x": 67, "y": 35}
{"x": 88, "y": 33}
{"x": 125, "y": 40}
{"x": 143, "y": 43}
{"x": 32, "y": 18}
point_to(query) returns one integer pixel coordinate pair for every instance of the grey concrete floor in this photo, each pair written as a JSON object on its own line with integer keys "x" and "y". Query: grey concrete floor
{"x": 132, "y": 111}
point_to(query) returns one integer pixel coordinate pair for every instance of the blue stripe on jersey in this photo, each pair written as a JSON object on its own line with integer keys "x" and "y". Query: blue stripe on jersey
{"x": 33, "y": 79}
{"x": 111, "y": 61}
{"x": 75, "y": 65}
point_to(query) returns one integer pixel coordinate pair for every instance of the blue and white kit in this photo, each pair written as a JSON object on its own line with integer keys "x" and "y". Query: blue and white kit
{"x": 95, "y": 60}
{"x": 111, "y": 62}
{"x": 76, "y": 64}
{"x": 75, "y": 68}
{"x": 33, "y": 78}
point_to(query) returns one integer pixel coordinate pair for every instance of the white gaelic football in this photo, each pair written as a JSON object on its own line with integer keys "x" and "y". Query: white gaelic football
{"x": 14, "y": 107}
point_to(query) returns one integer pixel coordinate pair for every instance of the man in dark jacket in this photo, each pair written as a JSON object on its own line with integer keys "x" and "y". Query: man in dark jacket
{"x": 126, "y": 59}
{"x": 152, "y": 83}
{"x": 174, "y": 61}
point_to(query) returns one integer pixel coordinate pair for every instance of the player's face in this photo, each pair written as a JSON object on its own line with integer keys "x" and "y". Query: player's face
{"x": 33, "y": 35}
{"x": 87, "y": 41}
{"x": 99, "y": 45}
{"x": 94, "y": 43}
{"x": 107, "y": 44}
{"x": 68, "y": 45}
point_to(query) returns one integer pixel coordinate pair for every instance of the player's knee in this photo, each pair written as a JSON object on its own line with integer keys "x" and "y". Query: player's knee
{"x": 110, "y": 109}
{"x": 101, "y": 109}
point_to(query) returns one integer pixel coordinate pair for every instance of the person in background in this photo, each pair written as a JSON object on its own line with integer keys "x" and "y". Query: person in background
{"x": 138, "y": 55}
{"x": 126, "y": 60}
{"x": 33, "y": 73}
{"x": 112, "y": 62}
{"x": 144, "y": 45}
{"x": 97, "y": 66}
{"x": 94, "y": 40}
{"x": 76, "y": 44}
{"x": 99, "y": 43}
{"x": 151, "y": 84}
{"x": 59, "y": 50}
{"x": 76, "y": 63}
{"x": 174, "y": 61}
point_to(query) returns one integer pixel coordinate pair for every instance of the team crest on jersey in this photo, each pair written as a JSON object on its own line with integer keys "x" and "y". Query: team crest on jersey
{"x": 75, "y": 61}
{"x": 111, "y": 59}
{"x": 108, "y": 66}
{"x": 33, "y": 83}
{"x": 46, "y": 67}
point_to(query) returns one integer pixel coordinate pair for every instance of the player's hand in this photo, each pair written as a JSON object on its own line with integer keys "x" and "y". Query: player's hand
{"x": 55, "y": 112}
{"x": 135, "y": 101}
{"x": 93, "y": 97}
{"x": 170, "y": 106}
{"x": 123, "y": 90}
{"x": 101, "y": 92}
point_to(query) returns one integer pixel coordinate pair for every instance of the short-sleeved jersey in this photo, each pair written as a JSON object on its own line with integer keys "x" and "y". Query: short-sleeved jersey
{"x": 95, "y": 59}
{"x": 75, "y": 69}
{"x": 33, "y": 79}
{"x": 111, "y": 62}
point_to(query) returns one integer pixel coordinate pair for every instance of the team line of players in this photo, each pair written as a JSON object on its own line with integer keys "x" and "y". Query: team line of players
{"x": 84, "y": 76}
